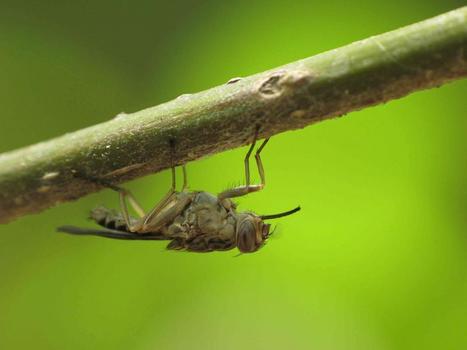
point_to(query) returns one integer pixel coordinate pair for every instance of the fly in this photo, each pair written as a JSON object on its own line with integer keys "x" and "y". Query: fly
{"x": 195, "y": 221}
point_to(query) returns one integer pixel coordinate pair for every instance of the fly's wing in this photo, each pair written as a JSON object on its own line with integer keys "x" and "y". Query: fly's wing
{"x": 107, "y": 233}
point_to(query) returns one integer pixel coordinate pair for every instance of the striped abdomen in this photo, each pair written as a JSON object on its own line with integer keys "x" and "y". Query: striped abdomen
{"x": 109, "y": 218}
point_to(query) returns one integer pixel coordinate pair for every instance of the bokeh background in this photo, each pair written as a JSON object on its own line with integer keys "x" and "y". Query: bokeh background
{"x": 377, "y": 258}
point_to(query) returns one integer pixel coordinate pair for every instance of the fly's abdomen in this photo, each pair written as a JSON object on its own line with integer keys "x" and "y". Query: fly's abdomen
{"x": 108, "y": 218}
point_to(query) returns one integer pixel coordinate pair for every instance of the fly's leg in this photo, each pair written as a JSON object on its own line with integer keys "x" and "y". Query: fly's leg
{"x": 167, "y": 214}
{"x": 153, "y": 220}
{"x": 259, "y": 162}
{"x": 170, "y": 195}
{"x": 151, "y": 216}
{"x": 144, "y": 218}
{"x": 185, "y": 180}
{"x": 123, "y": 195}
{"x": 248, "y": 188}
{"x": 163, "y": 202}
{"x": 156, "y": 217}
{"x": 168, "y": 208}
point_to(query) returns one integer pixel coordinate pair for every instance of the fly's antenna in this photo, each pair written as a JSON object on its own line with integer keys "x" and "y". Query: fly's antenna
{"x": 275, "y": 216}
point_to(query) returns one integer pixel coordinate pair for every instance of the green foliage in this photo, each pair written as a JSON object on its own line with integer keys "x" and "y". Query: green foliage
{"x": 376, "y": 259}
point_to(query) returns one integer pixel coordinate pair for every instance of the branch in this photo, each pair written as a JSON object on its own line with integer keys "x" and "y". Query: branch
{"x": 365, "y": 73}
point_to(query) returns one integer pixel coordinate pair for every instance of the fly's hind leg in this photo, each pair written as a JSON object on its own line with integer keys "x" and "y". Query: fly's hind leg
{"x": 152, "y": 219}
{"x": 248, "y": 188}
{"x": 124, "y": 194}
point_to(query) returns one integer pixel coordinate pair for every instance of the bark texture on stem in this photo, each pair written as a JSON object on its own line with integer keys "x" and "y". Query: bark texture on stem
{"x": 331, "y": 84}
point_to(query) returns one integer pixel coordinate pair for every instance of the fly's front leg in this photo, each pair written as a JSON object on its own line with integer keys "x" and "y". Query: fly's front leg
{"x": 248, "y": 188}
{"x": 259, "y": 163}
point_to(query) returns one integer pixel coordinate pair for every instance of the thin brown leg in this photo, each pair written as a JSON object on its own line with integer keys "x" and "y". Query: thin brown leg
{"x": 144, "y": 218}
{"x": 174, "y": 180}
{"x": 247, "y": 161}
{"x": 259, "y": 163}
{"x": 134, "y": 203}
{"x": 123, "y": 195}
{"x": 185, "y": 178}
{"x": 248, "y": 188}
{"x": 124, "y": 210}
{"x": 163, "y": 202}
{"x": 173, "y": 207}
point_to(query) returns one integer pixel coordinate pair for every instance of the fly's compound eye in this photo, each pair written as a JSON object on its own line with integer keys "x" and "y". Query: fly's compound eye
{"x": 246, "y": 237}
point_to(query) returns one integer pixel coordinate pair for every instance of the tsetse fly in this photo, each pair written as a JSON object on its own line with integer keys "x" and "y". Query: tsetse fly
{"x": 195, "y": 221}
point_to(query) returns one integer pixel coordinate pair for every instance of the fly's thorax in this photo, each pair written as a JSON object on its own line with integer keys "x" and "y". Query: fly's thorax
{"x": 207, "y": 215}
{"x": 251, "y": 232}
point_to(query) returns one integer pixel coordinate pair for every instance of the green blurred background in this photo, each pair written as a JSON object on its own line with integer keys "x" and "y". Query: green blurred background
{"x": 377, "y": 258}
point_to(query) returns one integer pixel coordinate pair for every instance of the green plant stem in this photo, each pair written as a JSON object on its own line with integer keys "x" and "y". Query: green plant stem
{"x": 331, "y": 84}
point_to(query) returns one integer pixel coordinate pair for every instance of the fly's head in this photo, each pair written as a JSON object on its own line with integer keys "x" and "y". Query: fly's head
{"x": 252, "y": 231}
